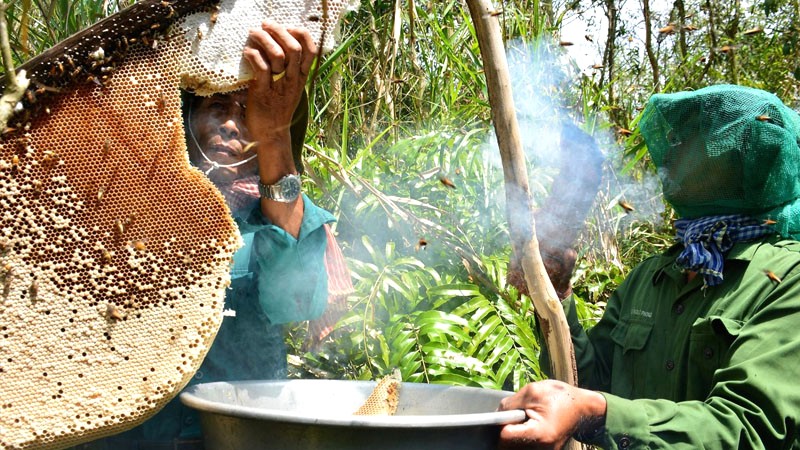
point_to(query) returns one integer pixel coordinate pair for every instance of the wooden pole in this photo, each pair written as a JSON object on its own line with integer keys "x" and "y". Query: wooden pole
{"x": 521, "y": 225}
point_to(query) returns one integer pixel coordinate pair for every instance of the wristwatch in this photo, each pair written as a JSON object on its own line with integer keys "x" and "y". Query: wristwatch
{"x": 286, "y": 190}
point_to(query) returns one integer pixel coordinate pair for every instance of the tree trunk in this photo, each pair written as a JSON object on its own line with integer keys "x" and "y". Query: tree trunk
{"x": 648, "y": 44}
{"x": 522, "y": 227}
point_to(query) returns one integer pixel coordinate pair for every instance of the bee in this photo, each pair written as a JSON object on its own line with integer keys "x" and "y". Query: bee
{"x": 123, "y": 44}
{"x": 70, "y": 61}
{"x": 113, "y": 313}
{"x": 155, "y": 26}
{"x": 199, "y": 35}
{"x": 249, "y": 147}
{"x": 669, "y": 29}
{"x": 624, "y": 131}
{"x": 30, "y": 96}
{"x": 57, "y": 70}
{"x": 214, "y": 14}
{"x": 139, "y": 246}
{"x": 33, "y": 290}
{"x": 8, "y": 271}
{"x": 37, "y": 187}
{"x": 626, "y": 206}
{"x": 764, "y": 118}
{"x": 119, "y": 227}
{"x": 15, "y": 162}
{"x": 49, "y": 157}
{"x": 421, "y": 244}
{"x": 447, "y": 183}
{"x": 161, "y": 102}
{"x": 106, "y": 147}
{"x": 100, "y": 193}
{"x": 772, "y": 276}
{"x": 107, "y": 257}
{"x": 314, "y": 18}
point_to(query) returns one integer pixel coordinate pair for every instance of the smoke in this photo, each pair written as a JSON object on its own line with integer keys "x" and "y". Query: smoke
{"x": 575, "y": 168}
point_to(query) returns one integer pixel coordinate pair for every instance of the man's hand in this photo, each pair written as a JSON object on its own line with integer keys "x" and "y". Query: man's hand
{"x": 556, "y": 411}
{"x": 559, "y": 264}
{"x": 281, "y": 59}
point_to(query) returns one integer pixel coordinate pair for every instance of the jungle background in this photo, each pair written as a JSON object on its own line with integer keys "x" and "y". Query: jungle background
{"x": 400, "y": 148}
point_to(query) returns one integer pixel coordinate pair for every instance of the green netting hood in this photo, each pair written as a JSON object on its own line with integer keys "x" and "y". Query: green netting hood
{"x": 727, "y": 150}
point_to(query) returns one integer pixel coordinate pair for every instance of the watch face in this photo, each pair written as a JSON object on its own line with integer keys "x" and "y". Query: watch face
{"x": 290, "y": 187}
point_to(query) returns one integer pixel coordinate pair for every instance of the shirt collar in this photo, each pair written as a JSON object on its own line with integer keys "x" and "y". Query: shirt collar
{"x": 741, "y": 251}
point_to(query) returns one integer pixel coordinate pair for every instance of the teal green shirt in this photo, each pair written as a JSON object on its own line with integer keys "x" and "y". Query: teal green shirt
{"x": 686, "y": 368}
{"x": 275, "y": 279}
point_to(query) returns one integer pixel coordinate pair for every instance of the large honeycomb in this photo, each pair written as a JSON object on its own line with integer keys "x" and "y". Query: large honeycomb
{"x": 114, "y": 252}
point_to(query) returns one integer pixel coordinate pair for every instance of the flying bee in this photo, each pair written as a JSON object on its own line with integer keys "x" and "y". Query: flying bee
{"x": 446, "y": 182}
{"x": 764, "y": 118}
{"x": 624, "y": 131}
{"x": 565, "y": 43}
{"x": 690, "y": 28}
{"x": 422, "y": 244}
{"x": 751, "y": 31}
{"x": 669, "y": 29}
{"x": 627, "y": 207}
{"x": 769, "y": 222}
{"x": 772, "y": 276}
{"x": 249, "y": 147}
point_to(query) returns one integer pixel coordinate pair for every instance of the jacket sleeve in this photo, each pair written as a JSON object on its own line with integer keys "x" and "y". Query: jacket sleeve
{"x": 754, "y": 402}
{"x": 291, "y": 277}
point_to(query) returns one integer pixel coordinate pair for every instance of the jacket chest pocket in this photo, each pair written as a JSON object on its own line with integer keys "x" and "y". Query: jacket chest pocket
{"x": 630, "y": 366}
{"x": 709, "y": 341}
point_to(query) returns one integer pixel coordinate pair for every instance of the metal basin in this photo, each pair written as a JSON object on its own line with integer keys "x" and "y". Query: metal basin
{"x": 317, "y": 414}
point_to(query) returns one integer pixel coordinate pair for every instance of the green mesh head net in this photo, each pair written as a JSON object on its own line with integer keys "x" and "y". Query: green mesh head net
{"x": 727, "y": 150}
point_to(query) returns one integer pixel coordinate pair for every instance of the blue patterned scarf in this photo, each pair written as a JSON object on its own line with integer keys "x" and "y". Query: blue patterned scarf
{"x": 708, "y": 239}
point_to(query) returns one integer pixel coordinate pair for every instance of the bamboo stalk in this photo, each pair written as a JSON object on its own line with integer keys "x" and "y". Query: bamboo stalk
{"x": 522, "y": 226}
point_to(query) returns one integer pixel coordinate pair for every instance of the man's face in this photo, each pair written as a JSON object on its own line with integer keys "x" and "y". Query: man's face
{"x": 218, "y": 126}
